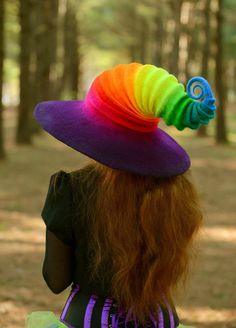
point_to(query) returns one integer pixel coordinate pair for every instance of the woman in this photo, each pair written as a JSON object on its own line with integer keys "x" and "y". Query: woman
{"x": 120, "y": 229}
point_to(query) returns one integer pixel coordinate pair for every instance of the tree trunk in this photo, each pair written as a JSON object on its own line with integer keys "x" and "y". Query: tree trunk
{"x": 23, "y": 135}
{"x": 134, "y": 47}
{"x": 174, "y": 56}
{"x": 143, "y": 41}
{"x": 221, "y": 135}
{"x": 202, "y": 132}
{"x": 191, "y": 40}
{"x": 45, "y": 49}
{"x": 52, "y": 28}
{"x": 2, "y": 12}
{"x": 234, "y": 80}
{"x": 71, "y": 51}
{"x": 159, "y": 34}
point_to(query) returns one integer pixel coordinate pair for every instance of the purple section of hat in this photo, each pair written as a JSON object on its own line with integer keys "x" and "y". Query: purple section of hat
{"x": 146, "y": 153}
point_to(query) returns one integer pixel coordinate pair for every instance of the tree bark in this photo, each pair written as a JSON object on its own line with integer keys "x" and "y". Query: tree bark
{"x": 46, "y": 47}
{"x": 192, "y": 40}
{"x": 234, "y": 80}
{"x": 71, "y": 51}
{"x": 23, "y": 135}
{"x": 190, "y": 30}
{"x": 221, "y": 134}
{"x": 174, "y": 56}
{"x": 2, "y": 44}
{"x": 143, "y": 39}
{"x": 134, "y": 47}
{"x": 45, "y": 51}
{"x": 202, "y": 132}
{"x": 159, "y": 34}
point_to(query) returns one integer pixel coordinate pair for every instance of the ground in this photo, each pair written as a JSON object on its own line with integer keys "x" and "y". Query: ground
{"x": 210, "y": 296}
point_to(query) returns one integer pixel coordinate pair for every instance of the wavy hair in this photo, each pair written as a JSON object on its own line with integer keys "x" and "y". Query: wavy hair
{"x": 141, "y": 230}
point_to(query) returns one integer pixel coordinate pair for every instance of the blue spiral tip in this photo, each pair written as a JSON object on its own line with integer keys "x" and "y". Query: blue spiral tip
{"x": 199, "y": 82}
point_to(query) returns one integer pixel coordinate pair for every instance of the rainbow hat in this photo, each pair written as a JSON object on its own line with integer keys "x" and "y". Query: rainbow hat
{"x": 117, "y": 123}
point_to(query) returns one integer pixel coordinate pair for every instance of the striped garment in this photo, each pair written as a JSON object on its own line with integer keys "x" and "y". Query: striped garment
{"x": 91, "y": 311}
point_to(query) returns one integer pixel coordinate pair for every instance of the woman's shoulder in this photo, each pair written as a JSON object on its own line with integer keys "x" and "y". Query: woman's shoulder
{"x": 59, "y": 181}
{"x": 84, "y": 177}
{"x": 63, "y": 177}
{"x": 78, "y": 185}
{"x": 83, "y": 171}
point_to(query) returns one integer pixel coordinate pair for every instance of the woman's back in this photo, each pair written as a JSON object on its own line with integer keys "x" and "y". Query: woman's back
{"x": 123, "y": 233}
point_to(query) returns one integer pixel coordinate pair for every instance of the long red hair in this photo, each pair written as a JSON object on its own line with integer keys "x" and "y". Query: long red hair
{"x": 142, "y": 230}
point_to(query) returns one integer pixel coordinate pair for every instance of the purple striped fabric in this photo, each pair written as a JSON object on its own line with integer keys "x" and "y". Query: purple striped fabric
{"x": 75, "y": 290}
{"x": 153, "y": 320}
{"x": 105, "y": 312}
{"x": 67, "y": 324}
{"x": 172, "y": 321}
{"x": 120, "y": 318}
{"x": 127, "y": 317}
{"x": 117, "y": 319}
{"x": 89, "y": 311}
{"x": 161, "y": 319}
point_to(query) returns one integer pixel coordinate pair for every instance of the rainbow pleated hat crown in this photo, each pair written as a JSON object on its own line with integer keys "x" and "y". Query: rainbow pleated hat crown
{"x": 117, "y": 123}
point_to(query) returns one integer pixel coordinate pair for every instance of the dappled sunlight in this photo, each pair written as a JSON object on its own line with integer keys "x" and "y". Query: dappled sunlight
{"x": 202, "y": 315}
{"x": 220, "y": 234}
{"x": 218, "y": 163}
{"x": 12, "y": 248}
{"x": 19, "y": 301}
{"x": 226, "y": 218}
{"x": 20, "y": 233}
{"x": 20, "y": 228}
{"x": 18, "y": 319}
{"x": 15, "y": 215}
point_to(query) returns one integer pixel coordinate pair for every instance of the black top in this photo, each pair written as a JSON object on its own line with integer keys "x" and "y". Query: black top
{"x": 64, "y": 214}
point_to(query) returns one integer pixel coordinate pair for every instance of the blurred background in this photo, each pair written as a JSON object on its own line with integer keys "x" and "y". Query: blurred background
{"x": 53, "y": 49}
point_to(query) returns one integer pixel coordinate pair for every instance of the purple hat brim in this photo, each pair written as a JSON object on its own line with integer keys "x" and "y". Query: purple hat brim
{"x": 146, "y": 153}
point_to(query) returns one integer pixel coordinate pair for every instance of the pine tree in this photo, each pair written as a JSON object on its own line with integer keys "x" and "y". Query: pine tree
{"x": 2, "y": 12}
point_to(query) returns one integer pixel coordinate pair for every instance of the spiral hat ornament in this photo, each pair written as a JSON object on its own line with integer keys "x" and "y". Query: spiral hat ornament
{"x": 137, "y": 96}
{"x": 117, "y": 122}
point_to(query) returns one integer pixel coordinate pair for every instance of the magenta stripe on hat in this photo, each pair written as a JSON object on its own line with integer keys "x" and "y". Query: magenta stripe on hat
{"x": 105, "y": 312}
{"x": 89, "y": 310}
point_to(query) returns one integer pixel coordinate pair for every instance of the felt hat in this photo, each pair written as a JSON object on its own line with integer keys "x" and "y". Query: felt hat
{"x": 117, "y": 122}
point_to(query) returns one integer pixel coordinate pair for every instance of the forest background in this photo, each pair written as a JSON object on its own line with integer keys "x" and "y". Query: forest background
{"x": 53, "y": 49}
